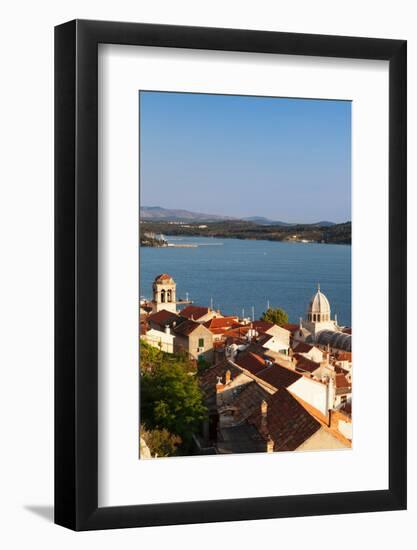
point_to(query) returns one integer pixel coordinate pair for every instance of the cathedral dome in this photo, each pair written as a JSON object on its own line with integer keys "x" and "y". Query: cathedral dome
{"x": 319, "y": 307}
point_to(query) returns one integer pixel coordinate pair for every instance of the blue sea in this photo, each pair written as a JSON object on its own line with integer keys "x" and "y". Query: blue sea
{"x": 242, "y": 274}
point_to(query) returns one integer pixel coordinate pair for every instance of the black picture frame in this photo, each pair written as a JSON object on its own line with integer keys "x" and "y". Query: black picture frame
{"x": 76, "y": 272}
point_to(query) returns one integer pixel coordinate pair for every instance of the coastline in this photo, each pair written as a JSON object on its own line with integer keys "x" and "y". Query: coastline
{"x": 289, "y": 241}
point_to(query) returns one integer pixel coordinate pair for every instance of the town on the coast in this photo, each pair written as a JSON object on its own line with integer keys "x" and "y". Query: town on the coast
{"x": 212, "y": 383}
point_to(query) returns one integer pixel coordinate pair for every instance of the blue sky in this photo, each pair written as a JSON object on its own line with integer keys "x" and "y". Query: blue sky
{"x": 285, "y": 159}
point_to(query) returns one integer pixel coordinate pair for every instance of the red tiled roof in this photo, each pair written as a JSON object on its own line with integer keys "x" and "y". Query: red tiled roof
{"x": 262, "y": 326}
{"x": 251, "y": 362}
{"x": 278, "y": 377}
{"x": 163, "y": 317}
{"x": 342, "y": 384}
{"x": 221, "y": 323}
{"x": 238, "y": 340}
{"x": 292, "y": 327}
{"x": 303, "y": 363}
{"x": 219, "y": 344}
{"x": 208, "y": 378}
{"x": 339, "y": 370}
{"x": 186, "y": 327}
{"x": 194, "y": 311}
{"x": 216, "y": 331}
{"x": 238, "y": 332}
{"x": 287, "y": 421}
{"x": 247, "y": 400}
{"x": 302, "y": 347}
{"x": 343, "y": 356}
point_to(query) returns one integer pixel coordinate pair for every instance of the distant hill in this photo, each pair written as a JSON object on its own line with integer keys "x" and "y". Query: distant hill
{"x": 260, "y": 220}
{"x": 167, "y": 214}
{"x": 324, "y": 224}
{"x": 157, "y": 213}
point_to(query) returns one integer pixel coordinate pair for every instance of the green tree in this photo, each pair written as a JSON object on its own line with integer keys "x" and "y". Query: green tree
{"x": 160, "y": 442}
{"x": 171, "y": 398}
{"x": 151, "y": 358}
{"x": 275, "y": 315}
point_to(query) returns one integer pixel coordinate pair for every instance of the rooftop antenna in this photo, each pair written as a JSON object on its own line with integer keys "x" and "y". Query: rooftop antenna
{"x": 211, "y": 302}
{"x": 253, "y": 313}
{"x": 243, "y": 312}
{"x": 267, "y": 304}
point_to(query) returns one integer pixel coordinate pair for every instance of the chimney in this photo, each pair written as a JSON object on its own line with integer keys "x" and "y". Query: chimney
{"x": 228, "y": 377}
{"x": 331, "y": 391}
{"x": 264, "y": 414}
{"x": 167, "y": 329}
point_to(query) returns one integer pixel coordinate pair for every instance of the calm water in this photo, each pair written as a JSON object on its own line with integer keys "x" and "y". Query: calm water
{"x": 239, "y": 274}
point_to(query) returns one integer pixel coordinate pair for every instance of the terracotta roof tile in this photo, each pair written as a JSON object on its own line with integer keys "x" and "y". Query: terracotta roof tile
{"x": 262, "y": 326}
{"x": 303, "y": 347}
{"x": 218, "y": 323}
{"x": 342, "y": 384}
{"x": 305, "y": 364}
{"x": 292, "y": 327}
{"x": 278, "y": 377}
{"x": 287, "y": 422}
{"x": 247, "y": 400}
{"x": 194, "y": 311}
{"x": 343, "y": 356}
{"x": 163, "y": 317}
{"x": 238, "y": 332}
{"x": 208, "y": 378}
{"x": 186, "y": 327}
{"x": 250, "y": 361}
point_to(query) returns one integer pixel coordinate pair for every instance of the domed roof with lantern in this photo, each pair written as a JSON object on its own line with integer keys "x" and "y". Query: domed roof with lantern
{"x": 319, "y": 304}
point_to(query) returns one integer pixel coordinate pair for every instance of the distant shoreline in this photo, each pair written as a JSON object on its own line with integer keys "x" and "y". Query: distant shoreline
{"x": 197, "y": 245}
{"x": 302, "y": 234}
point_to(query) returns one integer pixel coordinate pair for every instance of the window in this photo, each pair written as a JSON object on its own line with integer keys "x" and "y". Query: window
{"x": 201, "y": 342}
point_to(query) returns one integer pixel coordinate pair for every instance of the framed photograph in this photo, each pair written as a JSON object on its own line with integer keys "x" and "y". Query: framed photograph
{"x": 230, "y": 252}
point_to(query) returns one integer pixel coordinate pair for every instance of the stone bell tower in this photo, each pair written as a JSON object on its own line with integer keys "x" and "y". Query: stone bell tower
{"x": 164, "y": 294}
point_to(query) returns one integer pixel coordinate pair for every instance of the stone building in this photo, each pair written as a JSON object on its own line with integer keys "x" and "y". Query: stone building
{"x": 162, "y": 340}
{"x": 194, "y": 338}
